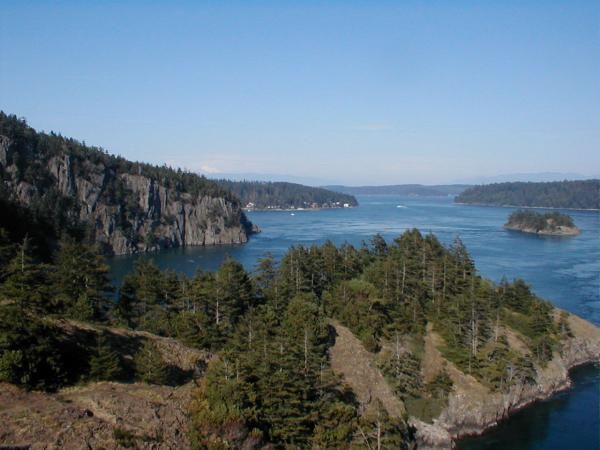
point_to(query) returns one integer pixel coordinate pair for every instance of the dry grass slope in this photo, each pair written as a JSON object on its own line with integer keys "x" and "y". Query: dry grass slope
{"x": 104, "y": 415}
{"x": 356, "y": 365}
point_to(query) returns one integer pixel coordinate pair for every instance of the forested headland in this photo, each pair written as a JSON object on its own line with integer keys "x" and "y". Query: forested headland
{"x": 52, "y": 185}
{"x": 282, "y": 195}
{"x": 423, "y": 317}
{"x": 553, "y": 223}
{"x": 583, "y": 194}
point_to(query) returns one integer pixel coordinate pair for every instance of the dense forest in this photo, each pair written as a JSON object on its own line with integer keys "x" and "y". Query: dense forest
{"x": 416, "y": 190}
{"x": 557, "y": 194}
{"x": 539, "y": 222}
{"x": 271, "y": 382}
{"x": 282, "y": 195}
{"x": 74, "y": 189}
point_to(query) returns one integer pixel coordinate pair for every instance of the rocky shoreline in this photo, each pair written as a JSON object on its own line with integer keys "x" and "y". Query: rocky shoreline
{"x": 472, "y": 412}
{"x": 558, "y": 231}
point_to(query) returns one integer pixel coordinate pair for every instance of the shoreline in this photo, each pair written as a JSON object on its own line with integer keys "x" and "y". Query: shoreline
{"x": 560, "y": 232}
{"x": 566, "y": 386}
{"x": 435, "y": 437}
{"x": 295, "y": 209}
{"x": 469, "y": 415}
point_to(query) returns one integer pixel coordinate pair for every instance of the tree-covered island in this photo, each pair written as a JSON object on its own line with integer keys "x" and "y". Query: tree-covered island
{"x": 548, "y": 224}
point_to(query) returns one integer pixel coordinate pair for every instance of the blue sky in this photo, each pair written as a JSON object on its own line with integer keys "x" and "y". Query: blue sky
{"x": 346, "y": 92}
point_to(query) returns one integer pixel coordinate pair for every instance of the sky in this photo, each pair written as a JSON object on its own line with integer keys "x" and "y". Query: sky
{"x": 352, "y": 92}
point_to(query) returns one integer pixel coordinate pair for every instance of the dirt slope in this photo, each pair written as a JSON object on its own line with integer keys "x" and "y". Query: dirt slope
{"x": 104, "y": 415}
{"x": 99, "y": 415}
{"x": 356, "y": 365}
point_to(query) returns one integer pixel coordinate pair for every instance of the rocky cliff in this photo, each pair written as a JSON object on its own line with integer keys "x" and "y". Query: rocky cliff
{"x": 127, "y": 207}
{"x": 472, "y": 408}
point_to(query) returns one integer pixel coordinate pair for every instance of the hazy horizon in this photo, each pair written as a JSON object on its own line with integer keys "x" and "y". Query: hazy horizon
{"x": 352, "y": 93}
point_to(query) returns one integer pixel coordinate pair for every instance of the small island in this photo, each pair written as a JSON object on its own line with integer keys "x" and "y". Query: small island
{"x": 547, "y": 224}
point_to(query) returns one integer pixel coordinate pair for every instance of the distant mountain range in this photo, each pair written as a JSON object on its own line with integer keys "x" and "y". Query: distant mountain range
{"x": 421, "y": 190}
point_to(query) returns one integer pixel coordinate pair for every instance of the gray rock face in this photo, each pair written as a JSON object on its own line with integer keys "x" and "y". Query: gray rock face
{"x": 163, "y": 218}
{"x": 4, "y": 145}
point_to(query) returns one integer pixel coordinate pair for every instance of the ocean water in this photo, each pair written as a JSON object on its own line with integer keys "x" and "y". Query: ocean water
{"x": 564, "y": 270}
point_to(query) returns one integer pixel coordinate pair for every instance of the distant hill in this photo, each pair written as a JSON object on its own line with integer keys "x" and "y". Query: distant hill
{"x": 283, "y": 195}
{"x": 557, "y": 194}
{"x": 403, "y": 189}
{"x": 535, "y": 177}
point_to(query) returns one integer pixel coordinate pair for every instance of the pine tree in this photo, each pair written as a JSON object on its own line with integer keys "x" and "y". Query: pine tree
{"x": 377, "y": 430}
{"x": 142, "y": 301}
{"x": 7, "y": 249}
{"x": 31, "y": 353}
{"x": 80, "y": 280}
{"x": 25, "y": 282}
{"x": 149, "y": 365}
{"x": 233, "y": 294}
{"x": 105, "y": 363}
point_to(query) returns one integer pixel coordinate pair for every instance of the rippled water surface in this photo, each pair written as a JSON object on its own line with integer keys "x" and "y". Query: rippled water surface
{"x": 565, "y": 271}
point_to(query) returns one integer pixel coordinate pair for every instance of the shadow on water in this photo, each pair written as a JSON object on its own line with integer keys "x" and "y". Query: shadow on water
{"x": 568, "y": 420}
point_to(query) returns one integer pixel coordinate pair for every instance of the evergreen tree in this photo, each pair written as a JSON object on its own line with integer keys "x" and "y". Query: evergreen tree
{"x": 142, "y": 302}
{"x": 233, "y": 294}
{"x": 31, "y": 353}
{"x": 377, "y": 430}
{"x": 80, "y": 280}
{"x": 149, "y": 365}
{"x": 105, "y": 363}
{"x": 25, "y": 282}
{"x": 7, "y": 250}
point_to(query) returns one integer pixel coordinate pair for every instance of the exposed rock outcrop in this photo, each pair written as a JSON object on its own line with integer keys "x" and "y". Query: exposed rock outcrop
{"x": 99, "y": 415}
{"x": 105, "y": 414}
{"x": 556, "y": 231}
{"x": 129, "y": 208}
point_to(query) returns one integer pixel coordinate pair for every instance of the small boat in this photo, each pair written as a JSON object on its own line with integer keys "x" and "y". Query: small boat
{"x": 292, "y": 214}
{"x": 400, "y": 206}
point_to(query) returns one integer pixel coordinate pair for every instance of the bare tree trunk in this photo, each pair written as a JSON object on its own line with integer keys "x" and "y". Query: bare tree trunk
{"x": 403, "y": 276}
{"x": 250, "y": 335}
{"x": 497, "y": 326}
{"x": 397, "y": 356}
{"x": 443, "y": 287}
{"x": 433, "y": 284}
{"x": 305, "y": 350}
{"x": 367, "y": 443}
